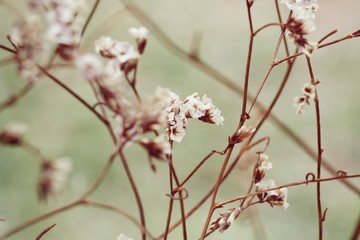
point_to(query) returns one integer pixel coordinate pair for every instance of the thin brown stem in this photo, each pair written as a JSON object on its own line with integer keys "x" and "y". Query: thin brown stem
{"x": 319, "y": 150}
{"x": 266, "y": 26}
{"x": 127, "y": 215}
{"x": 7, "y": 49}
{"x": 244, "y": 116}
{"x": 39, "y": 218}
{"x": 88, "y": 20}
{"x": 16, "y": 96}
{"x": 356, "y": 234}
{"x": 136, "y": 193}
{"x": 103, "y": 173}
{"x": 215, "y": 191}
{"x": 74, "y": 94}
{"x": 44, "y": 232}
{"x": 293, "y": 184}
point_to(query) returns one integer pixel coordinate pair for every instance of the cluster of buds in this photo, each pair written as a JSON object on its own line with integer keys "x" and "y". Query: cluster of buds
{"x": 301, "y": 23}
{"x": 157, "y": 148}
{"x": 309, "y": 92}
{"x": 105, "y": 78}
{"x": 65, "y": 26}
{"x": 177, "y": 112}
{"x": 241, "y": 134}
{"x": 261, "y": 167}
{"x": 275, "y": 197}
{"x": 12, "y": 134}
{"x": 225, "y": 220}
{"x": 27, "y": 39}
{"x": 53, "y": 176}
{"x": 122, "y": 55}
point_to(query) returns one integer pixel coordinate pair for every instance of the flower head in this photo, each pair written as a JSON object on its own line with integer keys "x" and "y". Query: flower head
{"x": 53, "y": 177}
{"x": 309, "y": 90}
{"x": 177, "y": 112}
{"x": 140, "y": 35}
{"x": 123, "y": 237}
{"x": 65, "y": 26}
{"x": 275, "y": 197}
{"x": 27, "y": 36}
{"x": 212, "y": 113}
{"x": 12, "y": 134}
{"x": 123, "y": 55}
{"x": 241, "y": 134}
{"x": 225, "y": 220}
{"x": 263, "y": 165}
{"x": 157, "y": 147}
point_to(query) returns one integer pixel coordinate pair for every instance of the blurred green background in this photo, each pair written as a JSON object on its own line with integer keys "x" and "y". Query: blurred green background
{"x": 60, "y": 126}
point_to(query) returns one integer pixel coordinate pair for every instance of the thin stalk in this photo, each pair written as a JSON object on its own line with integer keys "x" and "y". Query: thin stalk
{"x": 118, "y": 210}
{"x": 136, "y": 193}
{"x": 39, "y": 218}
{"x": 320, "y": 151}
{"x": 88, "y": 20}
{"x": 215, "y": 191}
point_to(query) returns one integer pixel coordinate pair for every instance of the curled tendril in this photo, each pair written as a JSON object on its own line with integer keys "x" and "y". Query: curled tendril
{"x": 179, "y": 190}
{"x": 341, "y": 173}
{"x": 100, "y": 104}
{"x": 308, "y": 179}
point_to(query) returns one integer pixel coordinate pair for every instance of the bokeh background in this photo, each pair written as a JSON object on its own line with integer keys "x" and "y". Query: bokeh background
{"x": 60, "y": 126}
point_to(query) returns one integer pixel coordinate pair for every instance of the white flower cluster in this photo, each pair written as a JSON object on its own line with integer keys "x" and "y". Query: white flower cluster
{"x": 302, "y": 9}
{"x": 225, "y": 220}
{"x": 301, "y": 22}
{"x": 64, "y": 25}
{"x": 123, "y": 237}
{"x": 301, "y": 101}
{"x": 275, "y": 197}
{"x": 262, "y": 166}
{"x": 177, "y": 112}
{"x": 122, "y": 55}
{"x": 53, "y": 177}
{"x": 27, "y": 38}
{"x": 106, "y": 77}
{"x": 241, "y": 134}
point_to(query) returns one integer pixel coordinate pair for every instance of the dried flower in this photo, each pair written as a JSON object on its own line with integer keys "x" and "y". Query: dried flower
{"x": 123, "y": 237}
{"x": 302, "y": 9}
{"x": 65, "y": 26}
{"x": 177, "y": 112}
{"x": 299, "y": 103}
{"x": 297, "y": 29}
{"x": 140, "y": 35}
{"x": 27, "y": 37}
{"x": 53, "y": 177}
{"x": 301, "y": 23}
{"x": 276, "y": 197}
{"x": 12, "y": 134}
{"x": 225, "y": 220}
{"x": 122, "y": 54}
{"x": 90, "y": 66}
{"x": 263, "y": 165}
{"x": 212, "y": 113}
{"x": 309, "y": 90}
{"x": 157, "y": 147}
{"x": 241, "y": 134}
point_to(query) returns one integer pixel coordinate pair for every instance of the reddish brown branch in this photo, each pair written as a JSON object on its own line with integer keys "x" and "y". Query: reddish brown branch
{"x": 44, "y": 232}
